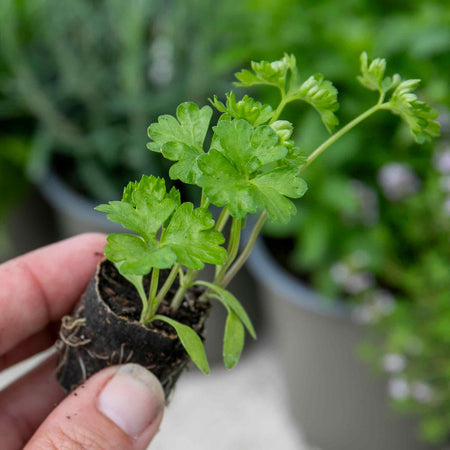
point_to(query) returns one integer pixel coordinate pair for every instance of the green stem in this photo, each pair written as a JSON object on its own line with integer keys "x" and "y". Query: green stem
{"x": 204, "y": 202}
{"x": 168, "y": 283}
{"x": 246, "y": 252}
{"x": 152, "y": 294}
{"x": 223, "y": 218}
{"x": 332, "y": 139}
{"x": 279, "y": 109}
{"x": 233, "y": 248}
{"x": 141, "y": 291}
{"x": 187, "y": 283}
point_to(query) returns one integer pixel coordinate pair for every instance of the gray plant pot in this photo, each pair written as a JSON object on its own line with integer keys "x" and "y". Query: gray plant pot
{"x": 75, "y": 214}
{"x": 335, "y": 399}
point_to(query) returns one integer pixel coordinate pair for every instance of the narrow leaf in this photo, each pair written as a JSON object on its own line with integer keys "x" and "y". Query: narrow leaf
{"x": 230, "y": 301}
{"x": 191, "y": 342}
{"x": 233, "y": 340}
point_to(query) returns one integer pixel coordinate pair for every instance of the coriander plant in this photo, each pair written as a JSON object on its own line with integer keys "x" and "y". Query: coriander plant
{"x": 251, "y": 166}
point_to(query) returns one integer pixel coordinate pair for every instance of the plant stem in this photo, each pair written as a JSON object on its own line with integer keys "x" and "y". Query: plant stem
{"x": 152, "y": 294}
{"x": 246, "y": 252}
{"x": 223, "y": 218}
{"x": 279, "y": 109}
{"x": 168, "y": 283}
{"x": 204, "y": 202}
{"x": 187, "y": 283}
{"x": 233, "y": 248}
{"x": 332, "y": 139}
{"x": 140, "y": 288}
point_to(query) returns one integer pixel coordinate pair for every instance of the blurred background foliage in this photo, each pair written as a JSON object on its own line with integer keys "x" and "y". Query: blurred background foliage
{"x": 80, "y": 81}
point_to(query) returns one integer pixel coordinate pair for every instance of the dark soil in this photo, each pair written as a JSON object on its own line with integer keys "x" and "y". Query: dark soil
{"x": 104, "y": 330}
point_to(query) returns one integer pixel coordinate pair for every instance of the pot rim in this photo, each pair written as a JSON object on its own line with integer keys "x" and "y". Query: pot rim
{"x": 276, "y": 278}
{"x": 66, "y": 199}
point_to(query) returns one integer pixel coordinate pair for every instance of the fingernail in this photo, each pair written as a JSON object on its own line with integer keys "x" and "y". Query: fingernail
{"x": 132, "y": 399}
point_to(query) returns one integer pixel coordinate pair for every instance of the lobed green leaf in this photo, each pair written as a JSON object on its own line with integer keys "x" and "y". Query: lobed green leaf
{"x": 372, "y": 75}
{"x": 135, "y": 256}
{"x": 247, "y": 108}
{"x": 268, "y": 73}
{"x": 416, "y": 114}
{"x": 322, "y": 96}
{"x": 191, "y": 342}
{"x": 241, "y": 171}
{"x": 187, "y": 235}
{"x": 190, "y": 236}
{"x": 181, "y": 139}
{"x": 144, "y": 208}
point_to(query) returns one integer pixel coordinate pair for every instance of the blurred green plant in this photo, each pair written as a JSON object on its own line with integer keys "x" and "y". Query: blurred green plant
{"x": 94, "y": 73}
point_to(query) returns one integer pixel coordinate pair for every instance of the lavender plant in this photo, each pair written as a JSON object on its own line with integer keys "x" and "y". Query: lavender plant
{"x": 251, "y": 166}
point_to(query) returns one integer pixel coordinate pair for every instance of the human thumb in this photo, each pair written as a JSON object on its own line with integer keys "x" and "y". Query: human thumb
{"x": 120, "y": 407}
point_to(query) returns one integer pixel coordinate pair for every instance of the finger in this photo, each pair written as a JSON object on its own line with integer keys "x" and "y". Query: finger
{"x": 43, "y": 285}
{"x": 34, "y": 344}
{"x": 117, "y": 408}
{"x": 26, "y": 403}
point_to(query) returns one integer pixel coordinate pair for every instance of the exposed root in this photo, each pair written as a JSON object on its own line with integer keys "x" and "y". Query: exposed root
{"x": 68, "y": 335}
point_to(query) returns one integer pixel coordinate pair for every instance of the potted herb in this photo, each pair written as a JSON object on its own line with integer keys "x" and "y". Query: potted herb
{"x": 147, "y": 289}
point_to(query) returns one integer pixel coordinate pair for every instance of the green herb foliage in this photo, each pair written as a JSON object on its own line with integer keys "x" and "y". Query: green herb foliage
{"x": 251, "y": 166}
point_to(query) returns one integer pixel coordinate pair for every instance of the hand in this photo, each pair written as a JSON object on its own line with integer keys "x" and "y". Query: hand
{"x": 120, "y": 407}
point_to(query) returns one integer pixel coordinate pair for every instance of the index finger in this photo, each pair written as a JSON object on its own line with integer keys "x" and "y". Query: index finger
{"x": 40, "y": 287}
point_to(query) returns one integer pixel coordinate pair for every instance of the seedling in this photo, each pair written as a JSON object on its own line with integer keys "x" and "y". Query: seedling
{"x": 252, "y": 166}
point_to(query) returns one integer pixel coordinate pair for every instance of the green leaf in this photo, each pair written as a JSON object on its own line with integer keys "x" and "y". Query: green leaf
{"x": 185, "y": 169}
{"x": 284, "y": 130}
{"x": 247, "y": 108}
{"x": 191, "y": 342}
{"x": 273, "y": 186}
{"x": 190, "y": 236}
{"x": 237, "y": 172}
{"x": 181, "y": 140}
{"x": 144, "y": 208}
{"x": 417, "y": 114}
{"x": 230, "y": 301}
{"x": 321, "y": 95}
{"x": 233, "y": 340}
{"x": 294, "y": 156}
{"x": 135, "y": 256}
{"x": 268, "y": 73}
{"x": 372, "y": 75}
{"x": 137, "y": 281}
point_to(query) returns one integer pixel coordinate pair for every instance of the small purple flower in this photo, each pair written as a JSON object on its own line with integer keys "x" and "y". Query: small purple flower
{"x": 339, "y": 272}
{"x": 445, "y": 183}
{"x": 161, "y": 70}
{"x": 446, "y": 207}
{"x": 359, "y": 282}
{"x": 374, "y": 306}
{"x": 441, "y": 160}
{"x": 368, "y": 203}
{"x": 398, "y": 388}
{"x": 398, "y": 180}
{"x": 422, "y": 392}
{"x": 394, "y": 362}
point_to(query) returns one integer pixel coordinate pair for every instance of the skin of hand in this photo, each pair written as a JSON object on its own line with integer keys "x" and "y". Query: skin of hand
{"x": 120, "y": 407}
